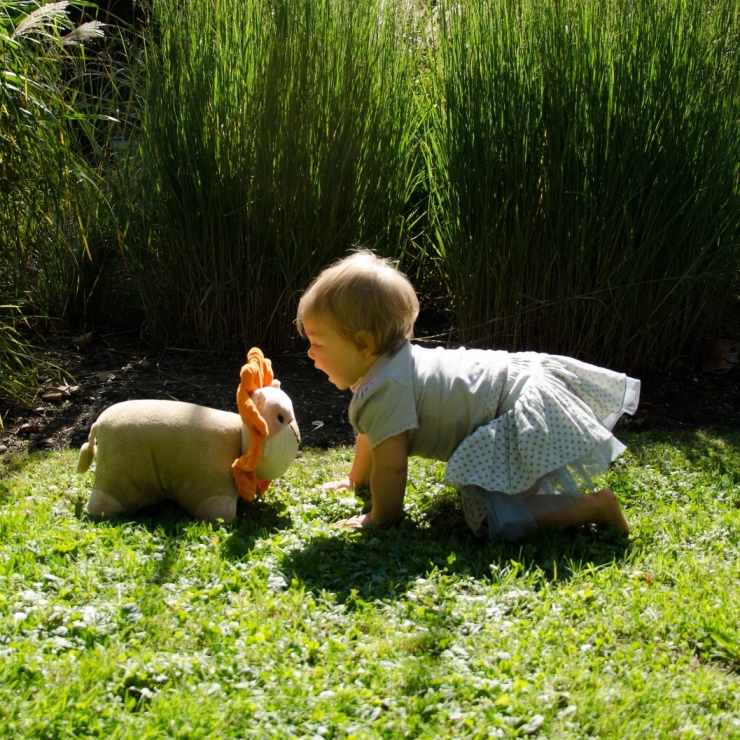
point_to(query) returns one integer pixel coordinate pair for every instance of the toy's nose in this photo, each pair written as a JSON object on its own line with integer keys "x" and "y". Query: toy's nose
{"x": 294, "y": 426}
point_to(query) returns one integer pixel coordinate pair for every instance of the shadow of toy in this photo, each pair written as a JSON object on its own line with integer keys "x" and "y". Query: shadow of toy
{"x": 176, "y": 527}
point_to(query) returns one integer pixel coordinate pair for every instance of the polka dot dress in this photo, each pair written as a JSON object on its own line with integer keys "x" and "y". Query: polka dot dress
{"x": 554, "y": 425}
{"x": 476, "y": 514}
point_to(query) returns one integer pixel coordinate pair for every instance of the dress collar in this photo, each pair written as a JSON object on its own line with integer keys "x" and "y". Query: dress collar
{"x": 376, "y": 368}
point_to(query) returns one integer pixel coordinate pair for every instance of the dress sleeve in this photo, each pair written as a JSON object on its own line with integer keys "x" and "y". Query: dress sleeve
{"x": 383, "y": 409}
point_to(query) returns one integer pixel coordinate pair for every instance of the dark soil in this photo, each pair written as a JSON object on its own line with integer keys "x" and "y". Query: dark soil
{"x": 109, "y": 368}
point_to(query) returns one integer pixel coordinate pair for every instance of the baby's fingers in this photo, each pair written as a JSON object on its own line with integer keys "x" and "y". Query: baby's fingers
{"x": 358, "y": 521}
{"x": 345, "y": 484}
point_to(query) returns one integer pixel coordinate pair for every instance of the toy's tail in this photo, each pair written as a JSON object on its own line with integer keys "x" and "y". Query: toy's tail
{"x": 87, "y": 451}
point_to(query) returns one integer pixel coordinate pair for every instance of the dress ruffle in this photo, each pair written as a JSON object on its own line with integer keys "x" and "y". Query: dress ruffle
{"x": 551, "y": 438}
{"x": 554, "y": 430}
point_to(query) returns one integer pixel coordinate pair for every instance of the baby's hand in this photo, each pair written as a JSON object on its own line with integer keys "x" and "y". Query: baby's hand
{"x": 357, "y": 522}
{"x": 345, "y": 484}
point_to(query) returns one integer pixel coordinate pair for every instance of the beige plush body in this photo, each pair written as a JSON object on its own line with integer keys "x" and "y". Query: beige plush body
{"x": 149, "y": 451}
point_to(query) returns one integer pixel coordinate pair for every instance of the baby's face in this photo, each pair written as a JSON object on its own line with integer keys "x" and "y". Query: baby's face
{"x": 344, "y": 362}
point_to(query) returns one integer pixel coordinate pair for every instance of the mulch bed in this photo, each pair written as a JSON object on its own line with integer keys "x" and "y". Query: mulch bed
{"x": 104, "y": 369}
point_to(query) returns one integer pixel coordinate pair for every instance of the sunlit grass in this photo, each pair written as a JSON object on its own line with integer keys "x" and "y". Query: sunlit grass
{"x": 282, "y": 625}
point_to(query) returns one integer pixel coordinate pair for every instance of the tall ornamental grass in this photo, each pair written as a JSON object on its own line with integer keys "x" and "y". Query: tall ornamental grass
{"x": 55, "y": 120}
{"x": 18, "y": 373}
{"x": 585, "y": 173}
{"x": 277, "y": 134}
{"x": 48, "y": 189}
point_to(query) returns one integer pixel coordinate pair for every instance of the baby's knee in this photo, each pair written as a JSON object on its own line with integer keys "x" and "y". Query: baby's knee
{"x": 606, "y": 497}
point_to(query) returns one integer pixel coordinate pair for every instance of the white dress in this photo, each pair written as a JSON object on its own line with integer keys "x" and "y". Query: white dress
{"x": 523, "y": 434}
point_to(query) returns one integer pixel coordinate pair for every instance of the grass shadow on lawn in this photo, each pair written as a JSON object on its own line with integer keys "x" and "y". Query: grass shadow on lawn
{"x": 174, "y": 525}
{"x": 372, "y": 564}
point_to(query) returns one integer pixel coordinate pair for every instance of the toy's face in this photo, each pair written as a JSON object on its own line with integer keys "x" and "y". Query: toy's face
{"x": 278, "y": 452}
{"x": 283, "y": 437}
{"x": 275, "y": 407}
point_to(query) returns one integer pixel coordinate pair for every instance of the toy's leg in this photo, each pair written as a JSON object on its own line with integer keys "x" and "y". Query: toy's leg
{"x": 215, "y": 508}
{"x": 101, "y": 506}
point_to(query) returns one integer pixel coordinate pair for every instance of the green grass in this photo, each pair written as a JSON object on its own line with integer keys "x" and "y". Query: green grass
{"x": 50, "y": 188}
{"x": 57, "y": 228}
{"x": 18, "y": 371}
{"x": 275, "y": 136}
{"x": 556, "y": 176}
{"x": 281, "y": 625}
{"x": 583, "y": 166}
{"x": 544, "y": 166}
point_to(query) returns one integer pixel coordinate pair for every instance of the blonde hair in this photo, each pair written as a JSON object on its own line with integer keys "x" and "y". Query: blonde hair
{"x": 363, "y": 292}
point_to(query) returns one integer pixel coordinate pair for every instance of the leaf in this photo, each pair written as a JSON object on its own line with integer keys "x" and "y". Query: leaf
{"x": 58, "y": 393}
{"x": 83, "y": 340}
{"x": 720, "y": 356}
{"x": 28, "y": 429}
{"x": 53, "y": 396}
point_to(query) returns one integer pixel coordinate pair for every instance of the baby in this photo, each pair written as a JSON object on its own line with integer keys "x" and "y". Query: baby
{"x": 523, "y": 434}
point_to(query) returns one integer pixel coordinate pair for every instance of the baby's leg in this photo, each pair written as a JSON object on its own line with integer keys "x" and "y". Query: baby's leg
{"x": 600, "y": 507}
{"x": 503, "y": 516}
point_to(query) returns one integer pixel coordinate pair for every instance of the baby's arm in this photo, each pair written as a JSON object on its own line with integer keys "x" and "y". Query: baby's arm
{"x": 388, "y": 465}
{"x": 388, "y": 480}
{"x": 359, "y": 474}
{"x": 362, "y": 465}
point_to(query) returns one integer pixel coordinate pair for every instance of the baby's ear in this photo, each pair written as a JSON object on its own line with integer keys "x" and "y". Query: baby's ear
{"x": 365, "y": 342}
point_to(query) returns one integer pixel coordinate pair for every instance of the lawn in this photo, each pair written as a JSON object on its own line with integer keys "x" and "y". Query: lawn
{"x": 283, "y": 626}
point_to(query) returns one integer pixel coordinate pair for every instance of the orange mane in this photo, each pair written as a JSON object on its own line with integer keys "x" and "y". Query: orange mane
{"x": 257, "y": 373}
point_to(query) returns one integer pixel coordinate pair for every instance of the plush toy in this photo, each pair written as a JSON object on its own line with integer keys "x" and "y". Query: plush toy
{"x": 200, "y": 457}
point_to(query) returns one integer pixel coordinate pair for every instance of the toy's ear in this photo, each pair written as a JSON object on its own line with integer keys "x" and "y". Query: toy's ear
{"x": 275, "y": 383}
{"x": 275, "y": 407}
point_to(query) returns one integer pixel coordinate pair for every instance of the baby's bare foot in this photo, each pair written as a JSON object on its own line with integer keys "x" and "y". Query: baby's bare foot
{"x": 610, "y": 512}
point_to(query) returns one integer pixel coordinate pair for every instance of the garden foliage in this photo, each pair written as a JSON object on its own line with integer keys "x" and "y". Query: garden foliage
{"x": 555, "y": 176}
{"x": 275, "y": 136}
{"x": 55, "y": 123}
{"x": 584, "y": 161}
